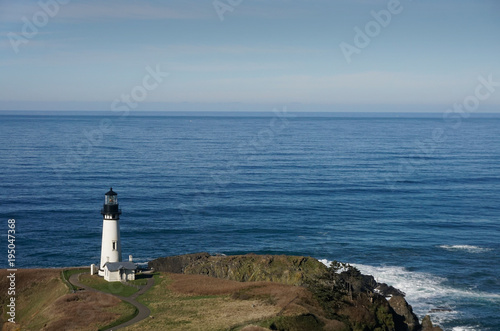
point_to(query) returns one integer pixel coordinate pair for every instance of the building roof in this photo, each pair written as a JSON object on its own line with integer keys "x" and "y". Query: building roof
{"x": 111, "y": 192}
{"x": 115, "y": 266}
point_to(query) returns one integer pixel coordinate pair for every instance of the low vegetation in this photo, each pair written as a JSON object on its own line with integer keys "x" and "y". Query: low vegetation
{"x": 284, "y": 269}
{"x": 335, "y": 298}
{"x": 67, "y": 273}
{"x": 36, "y": 290}
{"x": 44, "y": 302}
{"x": 197, "y": 302}
{"x": 100, "y": 284}
{"x": 301, "y": 322}
{"x": 127, "y": 312}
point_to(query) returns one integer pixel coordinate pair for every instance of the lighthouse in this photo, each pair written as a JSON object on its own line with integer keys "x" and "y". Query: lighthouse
{"x": 111, "y": 249}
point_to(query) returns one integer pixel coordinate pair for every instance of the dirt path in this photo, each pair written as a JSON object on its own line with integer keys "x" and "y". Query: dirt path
{"x": 143, "y": 311}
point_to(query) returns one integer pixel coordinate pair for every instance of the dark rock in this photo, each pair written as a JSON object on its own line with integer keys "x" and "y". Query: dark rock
{"x": 369, "y": 282}
{"x": 298, "y": 323}
{"x": 404, "y": 310}
{"x": 440, "y": 310}
{"x": 388, "y": 291}
{"x": 427, "y": 325}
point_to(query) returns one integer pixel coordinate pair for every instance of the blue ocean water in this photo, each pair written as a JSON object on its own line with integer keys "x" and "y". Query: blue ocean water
{"x": 412, "y": 200}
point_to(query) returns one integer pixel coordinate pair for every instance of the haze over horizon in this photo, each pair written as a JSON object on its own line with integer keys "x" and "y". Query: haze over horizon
{"x": 343, "y": 55}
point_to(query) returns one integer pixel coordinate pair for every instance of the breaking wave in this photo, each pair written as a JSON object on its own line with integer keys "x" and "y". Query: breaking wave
{"x": 426, "y": 293}
{"x": 467, "y": 248}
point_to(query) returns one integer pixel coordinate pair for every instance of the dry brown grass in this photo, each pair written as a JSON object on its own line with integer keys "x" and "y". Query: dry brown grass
{"x": 82, "y": 311}
{"x": 290, "y": 300}
{"x": 204, "y": 285}
{"x": 43, "y": 303}
{"x": 281, "y": 296}
{"x": 177, "y": 302}
{"x": 253, "y": 328}
{"x": 28, "y": 278}
{"x": 197, "y": 302}
{"x": 35, "y": 289}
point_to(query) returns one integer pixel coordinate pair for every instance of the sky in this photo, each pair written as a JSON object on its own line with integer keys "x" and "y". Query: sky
{"x": 306, "y": 55}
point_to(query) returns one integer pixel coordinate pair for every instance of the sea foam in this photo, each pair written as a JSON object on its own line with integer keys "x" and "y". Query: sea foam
{"x": 465, "y": 328}
{"x": 426, "y": 293}
{"x": 467, "y": 248}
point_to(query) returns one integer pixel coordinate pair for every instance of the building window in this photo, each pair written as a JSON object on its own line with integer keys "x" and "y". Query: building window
{"x": 114, "y": 245}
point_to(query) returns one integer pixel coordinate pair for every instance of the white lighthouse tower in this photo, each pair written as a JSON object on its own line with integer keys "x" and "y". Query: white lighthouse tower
{"x": 111, "y": 249}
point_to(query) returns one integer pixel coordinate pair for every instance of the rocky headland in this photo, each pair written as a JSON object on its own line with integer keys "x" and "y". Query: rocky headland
{"x": 205, "y": 292}
{"x": 338, "y": 297}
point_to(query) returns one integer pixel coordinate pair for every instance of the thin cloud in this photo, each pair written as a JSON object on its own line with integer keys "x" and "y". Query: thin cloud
{"x": 235, "y": 49}
{"x": 363, "y": 87}
{"x": 104, "y": 10}
{"x": 12, "y": 12}
{"x": 226, "y": 67}
{"x": 127, "y": 10}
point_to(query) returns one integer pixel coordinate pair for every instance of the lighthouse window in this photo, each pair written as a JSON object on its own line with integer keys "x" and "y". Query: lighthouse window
{"x": 114, "y": 245}
{"x": 111, "y": 200}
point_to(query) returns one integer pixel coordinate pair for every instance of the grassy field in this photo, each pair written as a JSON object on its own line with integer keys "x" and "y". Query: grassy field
{"x": 35, "y": 291}
{"x": 116, "y": 288}
{"x": 43, "y": 302}
{"x": 127, "y": 312}
{"x": 177, "y": 302}
{"x": 140, "y": 279}
{"x": 194, "y": 302}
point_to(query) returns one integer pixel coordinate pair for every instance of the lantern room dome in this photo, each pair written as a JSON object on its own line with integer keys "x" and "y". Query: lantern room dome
{"x": 111, "y": 192}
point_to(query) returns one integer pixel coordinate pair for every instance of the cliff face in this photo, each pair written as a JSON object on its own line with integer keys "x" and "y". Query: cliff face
{"x": 349, "y": 300}
{"x": 290, "y": 270}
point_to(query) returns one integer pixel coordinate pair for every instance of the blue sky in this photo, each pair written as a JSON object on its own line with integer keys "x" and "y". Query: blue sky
{"x": 263, "y": 54}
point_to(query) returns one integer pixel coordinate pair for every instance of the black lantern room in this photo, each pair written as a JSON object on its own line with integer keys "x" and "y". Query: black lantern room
{"x": 110, "y": 208}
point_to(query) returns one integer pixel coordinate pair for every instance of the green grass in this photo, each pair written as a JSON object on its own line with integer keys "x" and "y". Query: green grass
{"x": 144, "y": 298}
{"x": 183, "y": 311}
{"x": 139, "y": 282}
{"x": 100, "y": 284}
{"x": 66, "y": 273}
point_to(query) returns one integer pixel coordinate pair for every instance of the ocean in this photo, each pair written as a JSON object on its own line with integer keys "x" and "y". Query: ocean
{"x": 412, "y": 200}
